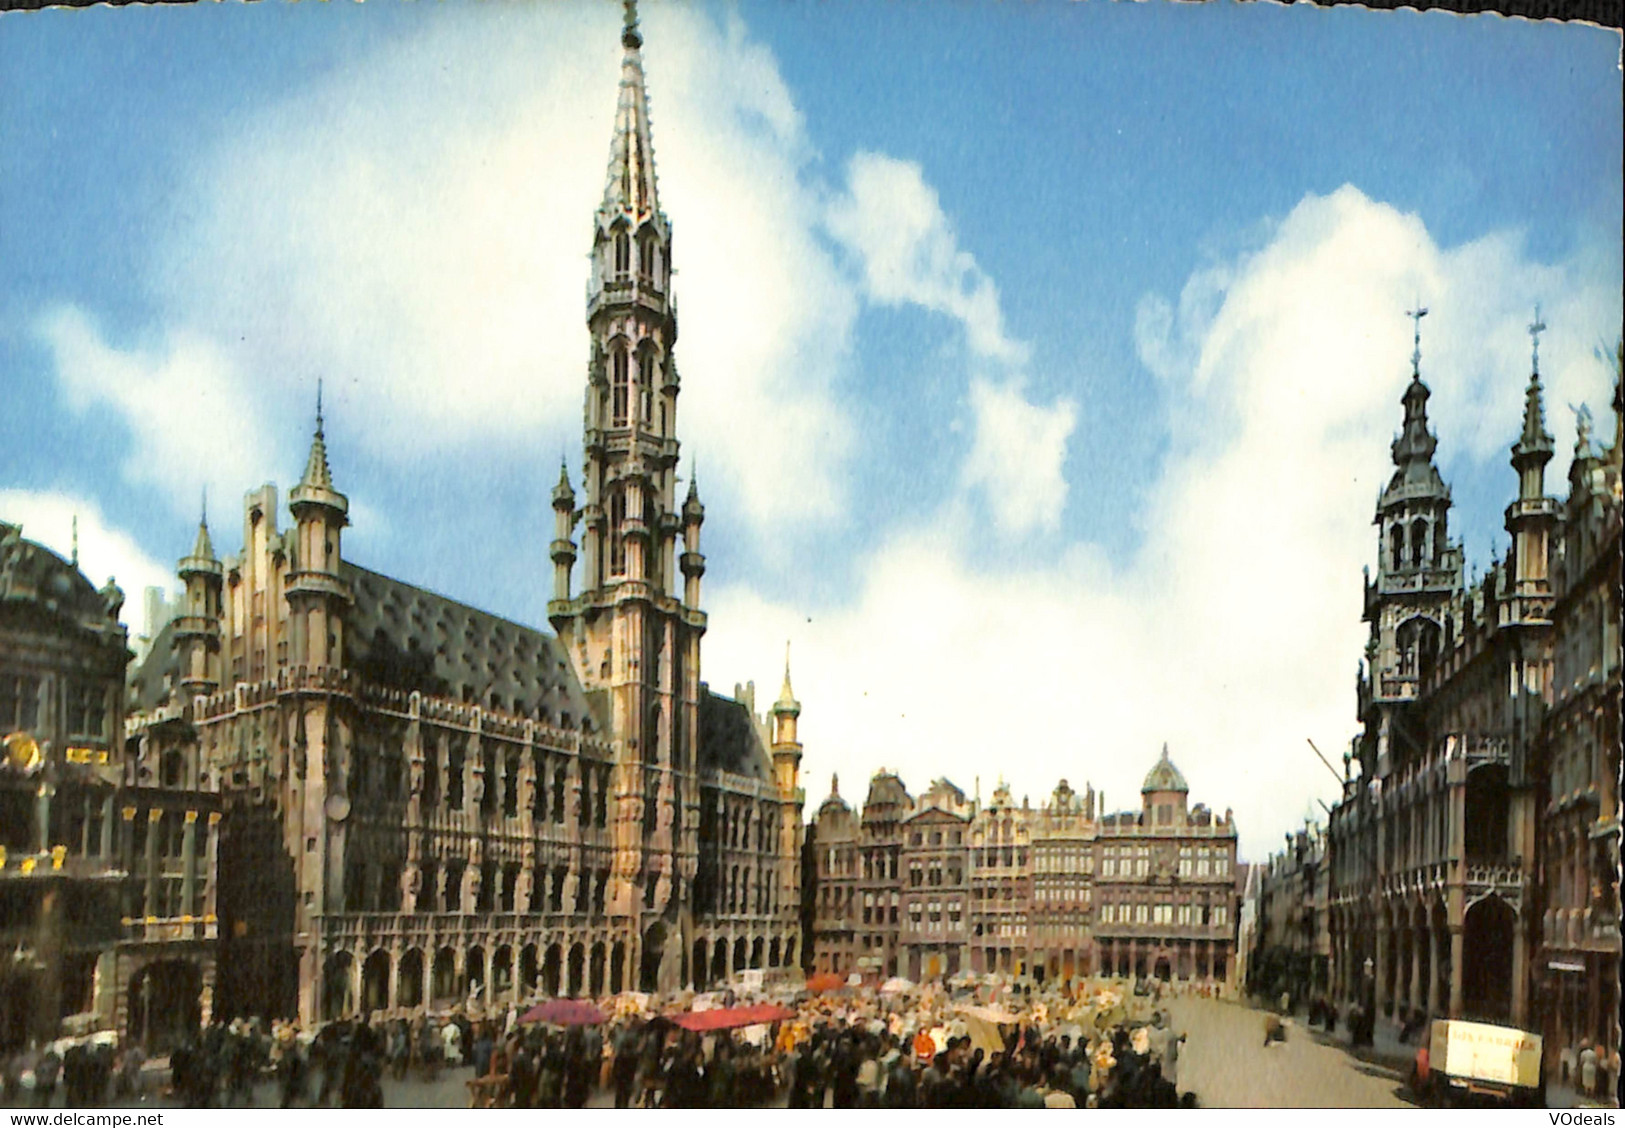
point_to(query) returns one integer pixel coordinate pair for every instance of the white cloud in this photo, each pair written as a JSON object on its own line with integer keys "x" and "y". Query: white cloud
{"x": 47, "y": 518}
{"x": 1018, "y": 455}
{"x": 180, "y": 400}
{"x": 394, "y": 228}
{"x": 893, "y": 222}
{"x": 1235, "y": 633}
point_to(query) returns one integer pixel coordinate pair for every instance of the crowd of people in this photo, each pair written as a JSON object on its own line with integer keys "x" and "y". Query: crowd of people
{"x": 904, "y": 1047}
{"x": 987, "y": 1045}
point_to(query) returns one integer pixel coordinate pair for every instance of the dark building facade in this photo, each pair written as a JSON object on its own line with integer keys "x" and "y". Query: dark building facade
{"x": 107, "y": 873}
{"x": 1466, "y": 856}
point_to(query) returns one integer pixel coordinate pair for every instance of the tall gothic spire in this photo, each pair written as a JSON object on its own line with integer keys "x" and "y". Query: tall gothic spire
{"x": 629, "y": 184}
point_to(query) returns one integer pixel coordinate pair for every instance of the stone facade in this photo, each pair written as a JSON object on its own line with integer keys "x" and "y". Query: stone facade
{"x": 1464, "y": 838}
{"x": 1291, "y": 944}
{"x": 107, "y": 866}
{"x": 1008, "y": 888}
{"x": 1165, "y": 886}
{"x": 1577, "y": 970}
{"x": 426, "y": 804}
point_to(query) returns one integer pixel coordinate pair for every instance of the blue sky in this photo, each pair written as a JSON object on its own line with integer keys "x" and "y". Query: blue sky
{"x": 1039, "y": 360}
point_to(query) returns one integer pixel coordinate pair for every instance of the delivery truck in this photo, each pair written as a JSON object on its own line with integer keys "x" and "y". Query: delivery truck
{"x": 1478, "y": 1062}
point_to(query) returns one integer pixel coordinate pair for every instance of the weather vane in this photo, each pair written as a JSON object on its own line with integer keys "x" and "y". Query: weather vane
{"x": 1416, "y": 315}
{"x": 1536, "y": 328}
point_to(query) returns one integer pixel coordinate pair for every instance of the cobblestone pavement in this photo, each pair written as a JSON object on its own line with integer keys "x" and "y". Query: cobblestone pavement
{"x": 1225, "y": 1063}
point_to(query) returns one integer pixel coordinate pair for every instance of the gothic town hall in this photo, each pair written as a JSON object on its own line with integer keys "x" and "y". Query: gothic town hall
{"x": 423, "y": 803}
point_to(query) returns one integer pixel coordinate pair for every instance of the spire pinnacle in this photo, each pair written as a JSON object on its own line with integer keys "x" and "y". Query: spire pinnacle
{"x": 787, "y": 702}
{"x": 631, "y": 38}
{"x": 563, "y": 494}
{"x": 1534, "y": 443}
{"x": 317, "y": 472}
{"x": 76, "y": 540}
{"x": 629, "y": 186}
{"x": 1416, "y": 314}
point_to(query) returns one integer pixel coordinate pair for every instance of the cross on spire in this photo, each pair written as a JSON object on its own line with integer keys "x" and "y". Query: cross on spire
{"x": 1416, "y": 315}
{"x": 1536, "y": 328}
{"x": 319, "y": 407}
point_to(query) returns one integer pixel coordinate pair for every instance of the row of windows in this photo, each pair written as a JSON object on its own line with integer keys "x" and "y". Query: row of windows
{"x": 621, "y": 397}
{"x": 84, "y": 706}
{"x": 933, "y": 913}
{"x": 1164, "y": 913}
{"x": 649, "y": 265}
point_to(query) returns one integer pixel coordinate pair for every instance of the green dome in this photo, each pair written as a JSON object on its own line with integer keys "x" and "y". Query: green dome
{"x": 1163, "y": 776}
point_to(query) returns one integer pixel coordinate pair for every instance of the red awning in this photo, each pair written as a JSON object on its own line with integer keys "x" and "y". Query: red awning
{"x": 730, "y": 1018}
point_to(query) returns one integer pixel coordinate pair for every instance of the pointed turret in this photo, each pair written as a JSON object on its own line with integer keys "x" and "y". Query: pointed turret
{"x": 563, "y": 549}
{"x": 786, "y": 746}
{"x": 693, "y": 561}
{"x": 316, "y": 590}
{"x": 1533, "y": 450}
{"x": 1532, "y": 518}
{"x": 315, "y": 488}
{"x": 197, "y": 627}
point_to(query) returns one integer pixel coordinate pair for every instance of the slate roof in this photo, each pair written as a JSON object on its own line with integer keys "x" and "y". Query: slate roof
{"x": 730, "y": 740}
{"x": 407, "y": 638}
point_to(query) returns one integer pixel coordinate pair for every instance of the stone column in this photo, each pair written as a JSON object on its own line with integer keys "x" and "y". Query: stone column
{"x": 357, "y": 1001}
{"x": 1417, "y": 993}
{"x": 1520, "y": 973}
{"x": 393, "y": 992}
{"x": 105, "y": 847}
{"x": 189, "y": 865}
{"x": 1433, "y": 969}
{"x": 1382, "y": 966}
{"x": 151, "y": 860}
{"x": 211, "y": 869}
{"x": 1456, "y": 948}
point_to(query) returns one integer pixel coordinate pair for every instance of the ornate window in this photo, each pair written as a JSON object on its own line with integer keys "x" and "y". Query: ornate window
{"x": 646, "y": 384}
{"x": 617, "y": 543}
{"x": 618, "y": 387}
{"x": 623, "y": 256}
